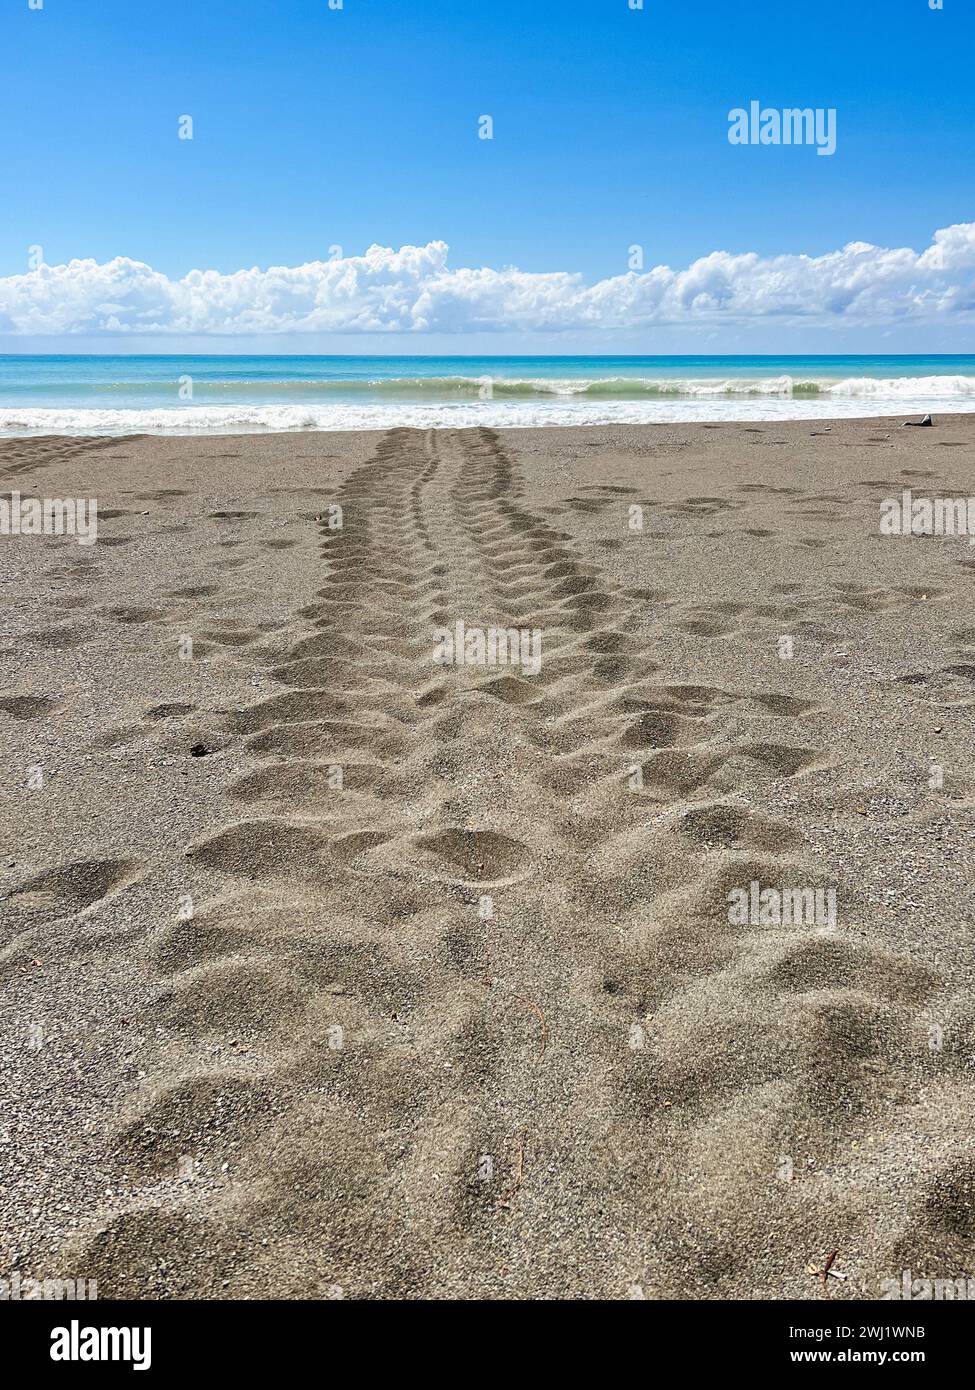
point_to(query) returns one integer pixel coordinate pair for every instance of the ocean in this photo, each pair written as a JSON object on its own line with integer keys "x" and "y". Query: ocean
{"x": 237, "y": 394}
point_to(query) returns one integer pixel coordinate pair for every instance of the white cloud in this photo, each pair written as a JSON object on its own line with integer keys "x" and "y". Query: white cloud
{"x": 413, "y": 290}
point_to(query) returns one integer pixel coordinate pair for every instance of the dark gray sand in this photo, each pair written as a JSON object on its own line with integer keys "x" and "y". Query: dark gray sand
{"x": 476, "y": 1023}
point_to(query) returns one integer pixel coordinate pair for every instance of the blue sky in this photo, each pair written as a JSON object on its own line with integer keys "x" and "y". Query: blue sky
{"x": 315, "y": 127}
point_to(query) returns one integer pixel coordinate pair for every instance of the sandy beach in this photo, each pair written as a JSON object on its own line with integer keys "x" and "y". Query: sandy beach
{"x": 330, "y": 969}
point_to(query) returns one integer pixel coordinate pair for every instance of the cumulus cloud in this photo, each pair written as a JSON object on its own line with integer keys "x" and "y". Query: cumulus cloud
{"x": 413, "y": 290}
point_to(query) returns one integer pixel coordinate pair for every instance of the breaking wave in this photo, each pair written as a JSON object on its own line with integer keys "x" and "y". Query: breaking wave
{"x": 847, "y": 399}
{"x": 451, "y": 388}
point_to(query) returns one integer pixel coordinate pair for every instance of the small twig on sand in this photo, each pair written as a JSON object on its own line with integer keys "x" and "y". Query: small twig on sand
{"x": 507, "y": 1196}
{"x": 488, "y": 976}
{"x": 827, "y": 1272}
{"x": 530, "y": 1004}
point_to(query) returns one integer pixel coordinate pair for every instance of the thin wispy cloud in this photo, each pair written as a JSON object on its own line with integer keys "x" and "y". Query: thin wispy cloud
{"x": 414, "y": 290}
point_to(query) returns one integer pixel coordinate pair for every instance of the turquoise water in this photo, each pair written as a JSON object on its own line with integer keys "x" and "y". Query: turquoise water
{"x": 175, "y": 394}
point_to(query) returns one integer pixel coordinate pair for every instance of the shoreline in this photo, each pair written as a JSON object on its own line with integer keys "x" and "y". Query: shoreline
{"x": 245, "y": 421}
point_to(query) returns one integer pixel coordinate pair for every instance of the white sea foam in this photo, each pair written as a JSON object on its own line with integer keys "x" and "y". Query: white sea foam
{"x": 954, "y": 389}
{"x": 529, "y": 403}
